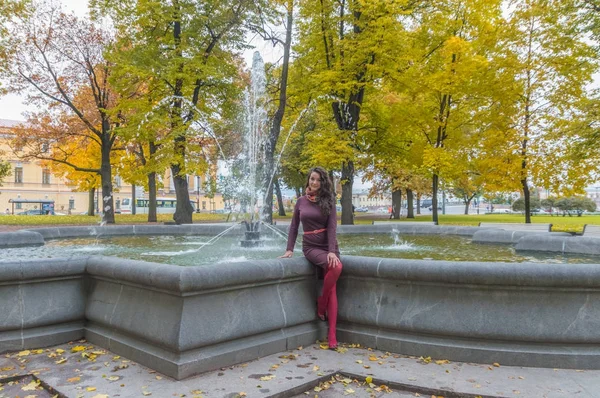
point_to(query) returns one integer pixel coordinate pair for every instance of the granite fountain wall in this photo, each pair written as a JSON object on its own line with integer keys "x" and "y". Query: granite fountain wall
{"x": 186, "y": 320}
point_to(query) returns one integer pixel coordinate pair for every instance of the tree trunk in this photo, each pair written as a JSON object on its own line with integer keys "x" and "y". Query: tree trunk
{"x": 410, "y": 212}
{"x": 468, "y": 203}
{"x": 133, "y": 200}
{"x": 347, "y": 181}
{"x": 91, "y": 202}
{"x": 183, "y": 209}
{"x": 396, "y": 203}
{"x": 279, "y": 198}
{"x": 527, "y": 199}
{"x": 271, "y": 142}
{"x": 434, "y": 201}
{"x": 152, "y": 197}
{"x": 152, "y": 187}
{"x": 107, "y": 209}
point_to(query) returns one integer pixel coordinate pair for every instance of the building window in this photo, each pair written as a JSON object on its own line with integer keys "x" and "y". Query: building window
{"x": 45, "y": 176}
{"x": 18, "y": 206}
{"x": 71, "y": 204}
{"x": 18, "y": 175}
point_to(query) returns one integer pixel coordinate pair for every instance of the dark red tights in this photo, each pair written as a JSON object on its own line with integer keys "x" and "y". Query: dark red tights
{"x": 327, "y": 302}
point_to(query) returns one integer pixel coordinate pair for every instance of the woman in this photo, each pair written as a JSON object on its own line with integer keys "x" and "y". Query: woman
{"x": 316, "y": 212}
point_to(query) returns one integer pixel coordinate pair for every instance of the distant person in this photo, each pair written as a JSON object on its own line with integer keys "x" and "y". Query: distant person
{"x": 391, "y": 211}
{"x": 7, "y": 211}
{"x": 317, "y": 212}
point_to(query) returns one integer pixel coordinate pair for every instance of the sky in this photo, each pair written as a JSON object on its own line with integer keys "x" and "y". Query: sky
{"x": 12, "y": 107}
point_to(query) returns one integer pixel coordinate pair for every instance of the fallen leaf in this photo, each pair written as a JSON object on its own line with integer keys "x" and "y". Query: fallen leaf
{"x": 91, "y": 388}
{"x": 158, "y": 377}
{"x": 348, "y": 391}
{"x": 113, "y": 378}
{"x": 315, "y": 368}
{"x": 59, "y": 350}
{"x": 74, "y": 379}
{"x": 6, "y": 368}
{"x": 359, "y": 361}
{"x": 369, "y": 379}
{"x": 78, "y": 348}
{"x": 61, "y": 361}
{"x": 37, "y": 351}
{"x": 267, "y": 378}
{"x": 372, "y": 358}
{"x": 32, "y": 386}
{"x": 146, "y": 393}
{"x": 24, "y": 353}
{"x": 496, "y": 364}
{"x": 442, "y": 361}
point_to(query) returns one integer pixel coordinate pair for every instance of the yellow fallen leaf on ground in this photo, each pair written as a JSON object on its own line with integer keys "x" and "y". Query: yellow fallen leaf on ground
{"x": 91, "y": 388}
{"x": 348, "y": 391}
{"x": 496, "y": 364}
{"x": 359, "y": 361}
{"x": 60, "y": 350}
{"x": 372, "y": 358}
{"x": 442, "y": 361}
{"x": 78, "y": 348}
{"x": 6, "y": 368}
{"x": 267, "y": 378}
{"x": 61, "y": 361}
{"x": 113, "y": 378}
{"x": 369, "y": 379}
{"x": 37, "y": 351}
{"x": 146, "y": 393}
{"x": 32, "y": 386}
{"x": 74, "y": 379}
{"x": 24, "y": 353}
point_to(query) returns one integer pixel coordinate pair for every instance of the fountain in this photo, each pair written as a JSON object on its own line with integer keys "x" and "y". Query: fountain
{"x": 184, "y": 320}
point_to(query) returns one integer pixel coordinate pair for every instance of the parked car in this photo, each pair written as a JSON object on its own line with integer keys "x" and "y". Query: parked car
{"x": 431, "y": 208}
{"x": 362, "y": 209}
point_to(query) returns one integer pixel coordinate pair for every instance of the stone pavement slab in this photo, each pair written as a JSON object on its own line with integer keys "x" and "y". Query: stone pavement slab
{"x": 82, "y": 370}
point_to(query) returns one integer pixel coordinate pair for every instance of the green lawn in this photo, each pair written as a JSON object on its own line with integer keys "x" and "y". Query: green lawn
{"x": 570, "y": 224}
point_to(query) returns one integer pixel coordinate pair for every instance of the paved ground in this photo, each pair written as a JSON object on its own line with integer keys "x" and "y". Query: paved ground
{"x": 81, "y": 370}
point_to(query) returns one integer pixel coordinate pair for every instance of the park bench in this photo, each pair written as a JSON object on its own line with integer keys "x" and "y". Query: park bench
{"x": 517, "y": 226}
{"x": 404, "y": 222}
{"x": 591, "y": 231}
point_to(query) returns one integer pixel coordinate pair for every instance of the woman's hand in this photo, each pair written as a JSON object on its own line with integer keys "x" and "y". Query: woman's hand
{"x": 332, "y": 260}
{"x": 287, "y": 254}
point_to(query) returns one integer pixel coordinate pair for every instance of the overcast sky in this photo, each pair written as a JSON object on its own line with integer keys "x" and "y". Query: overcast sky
{"x": 12, "y": 107}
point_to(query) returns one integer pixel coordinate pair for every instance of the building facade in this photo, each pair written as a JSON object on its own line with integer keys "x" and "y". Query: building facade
{"x": 30, "y": 180}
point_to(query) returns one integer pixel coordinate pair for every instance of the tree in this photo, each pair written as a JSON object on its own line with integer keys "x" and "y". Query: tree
{"x": 4, "y": 170}
{"x": 57, "y": 58}
{"x": 552, "y": 63}
{"x": 345, "y": 46}
{"x": 183, "y": 51}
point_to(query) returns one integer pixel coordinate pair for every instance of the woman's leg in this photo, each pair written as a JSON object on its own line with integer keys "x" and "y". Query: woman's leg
{"x": 328, "y": 301}
{"x": 332, "y": 310}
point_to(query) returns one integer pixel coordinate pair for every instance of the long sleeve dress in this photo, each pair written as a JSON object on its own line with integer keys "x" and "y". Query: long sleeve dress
{"x": 315, "y": 246}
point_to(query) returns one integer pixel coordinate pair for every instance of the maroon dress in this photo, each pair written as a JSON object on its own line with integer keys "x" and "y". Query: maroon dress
{"x": 315, "y": 246}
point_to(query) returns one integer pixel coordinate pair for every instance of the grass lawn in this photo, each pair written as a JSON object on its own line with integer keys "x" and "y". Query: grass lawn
{"x": 569, "y": 224}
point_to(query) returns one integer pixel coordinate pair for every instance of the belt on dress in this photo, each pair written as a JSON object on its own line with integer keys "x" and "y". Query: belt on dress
{"x": 316, "y": 231}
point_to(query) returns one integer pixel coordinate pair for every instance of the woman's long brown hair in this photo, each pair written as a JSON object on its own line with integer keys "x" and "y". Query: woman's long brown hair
{"x": 326, "y": 199}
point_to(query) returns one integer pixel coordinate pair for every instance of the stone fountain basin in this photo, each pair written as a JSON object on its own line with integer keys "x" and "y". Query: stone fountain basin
{"x": 186, "y": 320}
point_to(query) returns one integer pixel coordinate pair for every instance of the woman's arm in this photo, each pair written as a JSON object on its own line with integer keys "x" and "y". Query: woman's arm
{"x": 331, "y": 230}
{"x": 293, "y": 232}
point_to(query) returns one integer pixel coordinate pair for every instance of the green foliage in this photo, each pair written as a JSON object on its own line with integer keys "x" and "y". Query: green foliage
{"x": 5, "y": 170}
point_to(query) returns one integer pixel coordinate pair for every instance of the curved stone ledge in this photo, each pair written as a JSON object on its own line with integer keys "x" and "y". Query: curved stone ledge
{"x": 501, "y": 236}
{"x": 515, "y": 314}
{"x": 20, "y": 238}
{"x": 186, "y": 320}
{"x": 560, "y": 244}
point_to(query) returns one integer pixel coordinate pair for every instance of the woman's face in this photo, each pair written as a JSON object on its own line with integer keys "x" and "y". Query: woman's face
{"x": 314, "y": 182}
